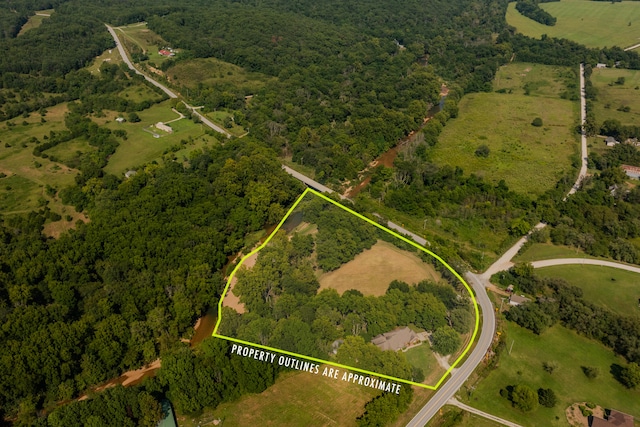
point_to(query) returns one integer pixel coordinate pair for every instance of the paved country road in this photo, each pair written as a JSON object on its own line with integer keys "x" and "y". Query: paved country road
{"x": 157, "y": 84}
{"x": 448, "y": 389}
{"x": 480, "y": 284}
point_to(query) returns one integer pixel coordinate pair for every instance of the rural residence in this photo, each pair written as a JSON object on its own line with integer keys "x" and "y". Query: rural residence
{"x": 611, "y": 141}
{"x": 396, "y": 339}
{"x": 517, "y": 300}
{"x": 615, "y": 418}
{"x": 165, "y": 52}
{"x": 631, "y": 171}
{"x": 164, "y": 127}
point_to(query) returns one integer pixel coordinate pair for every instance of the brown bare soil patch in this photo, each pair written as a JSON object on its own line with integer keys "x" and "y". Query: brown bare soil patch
{"x": 55, "y": 229}
{"x": 129, "y": 378}
{"x": 230, "y": 299}
{"x": 371, "y": 271}
{"x": 575, "y": 417}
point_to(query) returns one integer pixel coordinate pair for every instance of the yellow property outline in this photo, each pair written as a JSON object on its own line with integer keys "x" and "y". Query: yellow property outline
{"x": 327, "y": 362}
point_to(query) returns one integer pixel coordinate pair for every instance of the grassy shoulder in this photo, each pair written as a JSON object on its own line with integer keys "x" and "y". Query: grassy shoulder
{"x": 450, "y": 416}
{"x": 297, "y": 398}
{"x": 586, "y": 22}
{"x": 569, "y": 352}
{"x": 613, "y": 98}
{"x": 616, "y": 290}
{"x": 529, "y": 158}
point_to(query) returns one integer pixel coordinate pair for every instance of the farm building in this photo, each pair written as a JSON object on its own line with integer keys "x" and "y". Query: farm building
{"x": 396, "y": 339}
{"x": 165, "y": 52}
{"x": 631, "y": 171}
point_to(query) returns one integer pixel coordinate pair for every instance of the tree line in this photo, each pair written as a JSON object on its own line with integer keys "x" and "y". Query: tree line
{"x": 556, "y": 301}
{"x": 532, "y": 10}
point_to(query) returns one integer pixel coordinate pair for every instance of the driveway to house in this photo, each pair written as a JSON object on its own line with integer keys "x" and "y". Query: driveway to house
{"x": 584, "y": 261}
{"x": 583, "y": 136}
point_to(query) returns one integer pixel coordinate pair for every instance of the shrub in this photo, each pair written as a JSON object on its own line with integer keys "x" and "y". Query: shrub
{"x": 524, "y": 398}
{"x": 537, "y": 122}
{"x": 547, "y": 397}
{"x": 483, "y": 151}
{"x": 590, "y": 372}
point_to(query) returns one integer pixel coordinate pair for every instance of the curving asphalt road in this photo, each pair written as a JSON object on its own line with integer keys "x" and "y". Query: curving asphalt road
{"x": 157, "y": 84}
{"x": 127, "y": 61}
{"x": 480, "y": 284}
{"x": 449, "y": 389}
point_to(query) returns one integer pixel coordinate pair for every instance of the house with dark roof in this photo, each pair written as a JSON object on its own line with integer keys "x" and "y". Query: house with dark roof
{"x": 615, "y": 418}
{"x": 396, "y": 339}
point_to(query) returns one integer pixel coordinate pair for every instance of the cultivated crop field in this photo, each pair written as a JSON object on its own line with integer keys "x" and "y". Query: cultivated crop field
{"x": 371, "y": 271}
{"x": 569, "y": 351}
{"x": 530, "y": 159}
{"x": 617, "y": 290}
{"x": 592, "y": 23}
{"x": 611, "y": 96}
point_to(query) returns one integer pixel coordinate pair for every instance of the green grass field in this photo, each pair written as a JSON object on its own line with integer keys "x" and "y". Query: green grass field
{"x": 592, "y": 23}
{"x": 22, "y": 190}
{"x": 111, "y": 56}
{"x": 296, "y": 399}
{"x": 617, "y": 290}
{"x": 35, "y": 20}
{"x": 524, "y": 366}
{"x": 610, "y": 98}
{"x": 213, "y": 72}
{"x": 220, "y": 116}
{"x": 141, "y": 146}
{"x": 530, "y": 159}
{"x": 423, "y": 358}
{"x": 540, "y": 251}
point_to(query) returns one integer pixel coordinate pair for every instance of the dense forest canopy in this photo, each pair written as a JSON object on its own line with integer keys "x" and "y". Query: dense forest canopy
{"x": 349, "y": 79}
